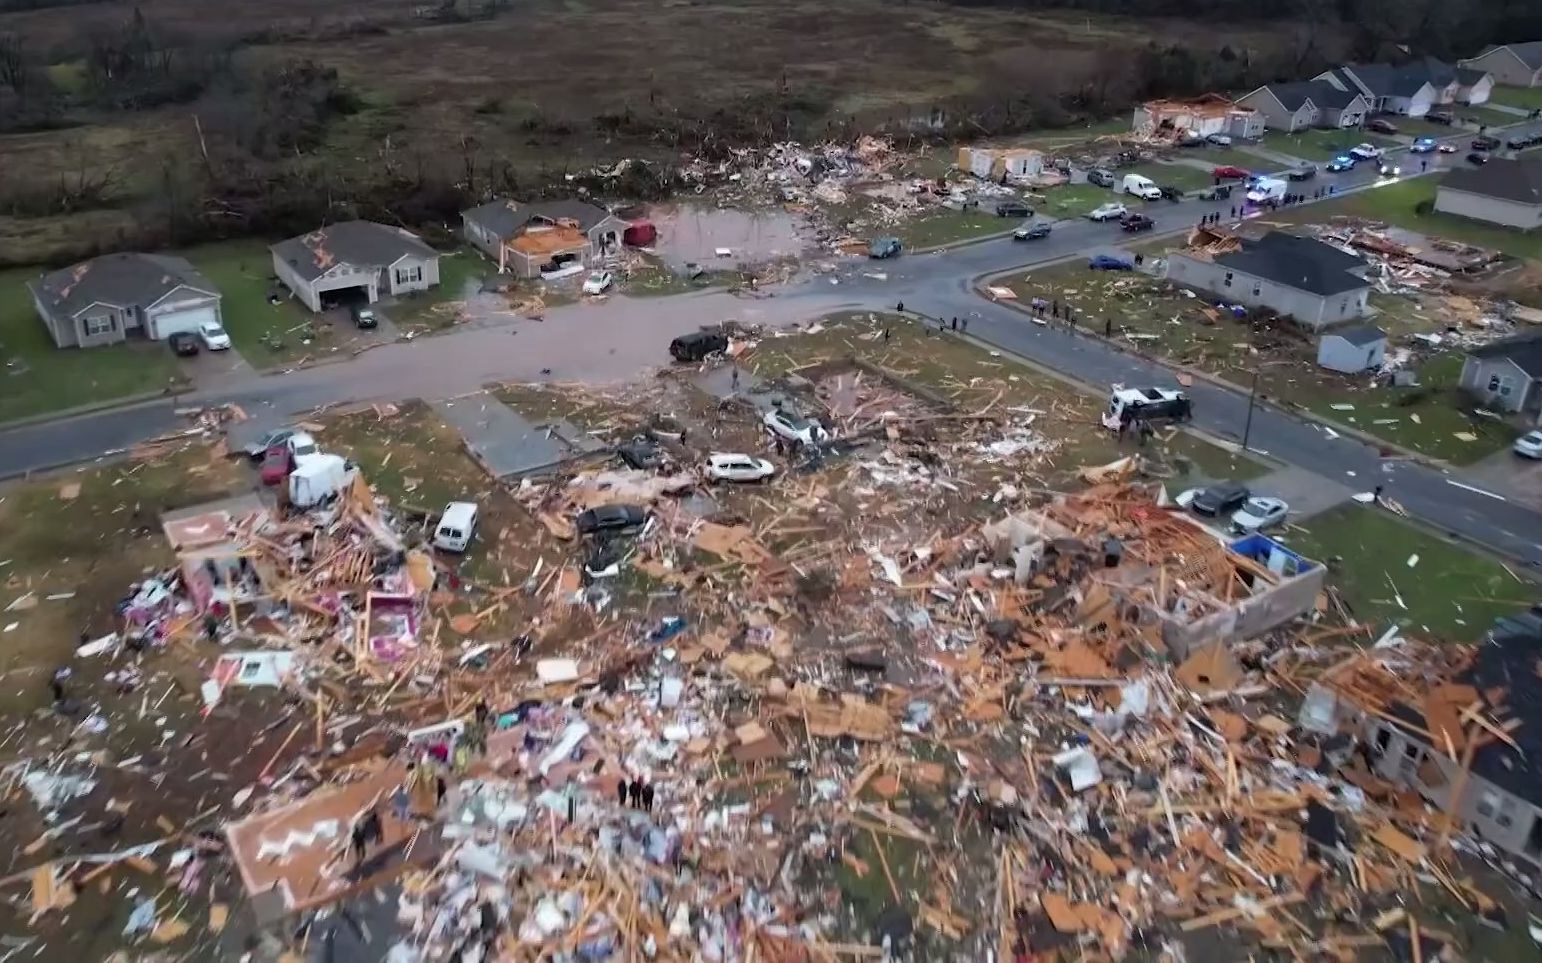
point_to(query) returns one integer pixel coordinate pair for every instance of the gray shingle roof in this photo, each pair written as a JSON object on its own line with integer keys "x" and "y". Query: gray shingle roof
{"x": 1529, "y": 52}
{"x": 1518, "y": 180}
{"x": 122, "y": 280}
{"x": 1303, "y": 263}
{"x": 363, "y": 244}
{"x": 507, "y": 218}
{"x": 1525, "y": 351}
{"x": 1359, "y": 335}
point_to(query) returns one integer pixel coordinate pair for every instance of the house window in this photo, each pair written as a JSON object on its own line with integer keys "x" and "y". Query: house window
{"x": 1343, "y": 305}
{"x": 101, "y": 325}
{"x": 1493, "y": 383}
{"x": 1488, "y": 803}
{"x": 409, "y": 275}
{"x": 1227, "y": 280}
{"x": 1257, "y": 288}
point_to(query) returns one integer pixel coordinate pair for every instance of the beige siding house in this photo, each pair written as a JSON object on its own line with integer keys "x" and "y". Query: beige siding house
{"x": 118, "y": 296}
{"x": 1515, "y": 64}
{"x": 354, "y": 261}
{"x": 1504, "y": 191}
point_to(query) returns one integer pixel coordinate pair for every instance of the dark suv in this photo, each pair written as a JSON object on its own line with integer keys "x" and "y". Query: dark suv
{"x": 697, "y": 345}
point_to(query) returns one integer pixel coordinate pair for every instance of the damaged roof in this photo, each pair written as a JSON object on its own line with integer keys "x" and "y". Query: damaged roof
{"x": 363, "y": 244}
{"x": 1508, "y": 660}
{"x": 507, "y": 218}
{"x": 121, "y": 280}
{"x": 1525, "y": 352}
{"x": 1518, "y": 180}
{"x": 1304, "y": 263}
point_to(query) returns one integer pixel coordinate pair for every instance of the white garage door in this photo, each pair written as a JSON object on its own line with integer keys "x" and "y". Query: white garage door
{"x": 172, "y": 322}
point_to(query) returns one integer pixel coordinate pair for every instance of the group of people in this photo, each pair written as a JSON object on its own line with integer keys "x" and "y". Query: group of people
{"x": 635, "y": 793}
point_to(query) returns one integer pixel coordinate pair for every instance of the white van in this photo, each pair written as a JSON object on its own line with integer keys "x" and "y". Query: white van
{"x": 1142, "y": 187}
{"x": 317, "y": 478}
{"x": 1267, "y": 189}
{"x": 456, "y": 526}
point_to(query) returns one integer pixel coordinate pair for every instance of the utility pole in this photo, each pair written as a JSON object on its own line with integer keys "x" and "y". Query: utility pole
{"x": 1247, "y": 428}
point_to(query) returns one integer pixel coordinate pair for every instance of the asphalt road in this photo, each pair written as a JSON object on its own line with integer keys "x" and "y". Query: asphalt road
{"x": 939, "y": 284}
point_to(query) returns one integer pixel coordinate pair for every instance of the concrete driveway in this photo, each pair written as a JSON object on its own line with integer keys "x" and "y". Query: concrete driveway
{"x": 1307, "y": 493}
{"x": 213, "y": 370}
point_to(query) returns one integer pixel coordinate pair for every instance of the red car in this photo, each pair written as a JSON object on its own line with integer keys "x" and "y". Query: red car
{"x": 1229, "y": 173}
{"x": 276, "y": 464}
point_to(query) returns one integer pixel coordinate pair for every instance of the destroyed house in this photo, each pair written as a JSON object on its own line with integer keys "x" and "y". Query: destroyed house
{"x": 354, "y": 262}
{"x": 526, "y": 238}
{"x": 1302, "y": 278}
{"x": 1462, "y": 726}
{"x": 1206, "y": 115}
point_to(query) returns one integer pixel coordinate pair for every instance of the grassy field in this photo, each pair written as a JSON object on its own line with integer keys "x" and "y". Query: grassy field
{"x": 1526, "y": 98}
{"x": 37, "y": 378}
{"x": 1148, "y": 315}
{"x": 461, "y": 273}
{"x": 1489, "y": 116}
{"x": 1324, "y": 145}
{"x": 1450, "y": 592}
{"x": 947, "y": 226}
{"x": 1394, "y": 203}
{"x": 1234, "y": 156}
{"x": 1181, "y": 176}
{"x": 243, "y": 272}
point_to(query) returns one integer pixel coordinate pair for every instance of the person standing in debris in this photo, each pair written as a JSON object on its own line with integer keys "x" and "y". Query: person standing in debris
{"x": 963, "y": 325}
{"x": 955, "y": 322}
{"x": 885, "y": 335}
{"x": 634, "y": 792}
{"x": 899, "y": 308}
{"x": 1108, "y": 327}
{"x": 1234, "y": 212}
{"x": 647, "y": 797}
{"x": 621, "y": 787}
{"x": 1376, "y": 496}
{"x": 736, "y": 378}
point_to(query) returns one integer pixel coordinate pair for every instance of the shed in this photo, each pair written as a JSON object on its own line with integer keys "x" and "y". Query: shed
{"x": 1352, "y": 348}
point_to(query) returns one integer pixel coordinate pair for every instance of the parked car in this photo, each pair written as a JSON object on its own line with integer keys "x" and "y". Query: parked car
{"x": 1136, "y": 222}
{"x": 794, "y": 427}
{"x": 276, "y": 465}
{"x": 1101, "y": 177}
{"x": 1444, "y": 117}
{"x": 1343, "y": 162}
{"x": 1190, "y": 139}
{"x": 1219, "y": 140}
{"x": 640, "y": 453}
{"x": 1171, "y": 193}
{"x": 1523, "y": 141}
{"x": 1529, "y": 445}
{"x": 1477, "y": 157}
{"x": 1221, "y": 499}
{"x": 1107, "y": 212}
{"x": 1259, "y": 513}
{"x": 1381, "y": 126}
{"x": 1447, "y": 148}
{"x": 257, "y": 447}
{"x": 884, "y": 247}
{"x": 1013, "y": 209}
{"x": 1388, "y": 169}
{"x": 610, "y": 518}
{"x": 1423, "y": 145}
{"x": 1303, "y": 173}
{"x": 1218, "y": 192}
{"x": 213, "y": 336}
{"x": 184, "y": 344}
{"x": 1031, "y": 232}
{"x": 1109, "y": 262}
{"x": 364, "y": 317}
{"x": 1485, "y": 142}
{"x": 1365, "y": 151}
{"x": 697, "y": 345}
{"x": 1229, "y": 172}
{"x": 598, "y": 282}
{"x": 738, "y": 468}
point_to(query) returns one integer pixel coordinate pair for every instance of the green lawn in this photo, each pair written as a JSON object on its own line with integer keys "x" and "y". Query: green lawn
{"x": 1075, "y": 200}
{"x": 243, "y": 272}
{"x": 1181, "y": 176}
{"x": 1526, "y": 98}
{"x": 1489, "y": 116}
{"x": 945, "y": 226}
{"x": 1450, "y": 593}
{"x": 1323, "y": 145}
{"x": 37, "y": 378}
{"x": 1394, "y": 202}
{"x": 1212, "y": 157}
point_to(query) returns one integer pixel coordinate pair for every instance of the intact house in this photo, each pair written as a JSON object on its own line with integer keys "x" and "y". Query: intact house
{"x": 1516, "y": 64}
{"x": 1206, "y": 115}
{"x": 354, "y": 261}
{"x": 1411, "y": 89}
{"x": 106, "y": 299}
{"x": 1299, "y": 277}
{"x": 1352, "y": 348}
{"x": 1503, "y": 374}
{"x": 1505, "y": 191}
{"x": 1309, "y": 103}
{"x": 525, "y": 239}
{"x": 1467, "y": 738}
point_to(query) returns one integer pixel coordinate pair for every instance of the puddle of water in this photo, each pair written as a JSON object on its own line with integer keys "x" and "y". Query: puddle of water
{"x": 692, "y": 234}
